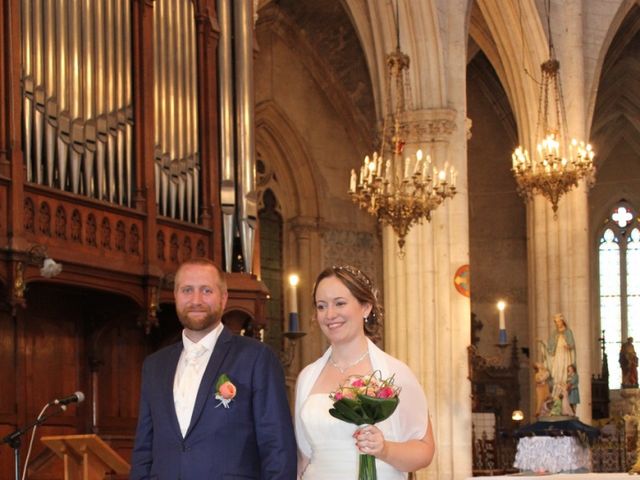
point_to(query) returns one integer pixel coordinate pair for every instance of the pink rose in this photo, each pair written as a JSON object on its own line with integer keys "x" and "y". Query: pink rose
{"x": 358, "y": 382}
{"x": 227, "y": 390}
{"x": 386, "y": 392}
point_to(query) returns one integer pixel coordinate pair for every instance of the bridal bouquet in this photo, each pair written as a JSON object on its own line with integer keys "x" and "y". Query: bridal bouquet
{"x": 365, "y": 400}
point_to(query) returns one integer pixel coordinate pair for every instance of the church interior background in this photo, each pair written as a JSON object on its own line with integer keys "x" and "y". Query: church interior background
{"x": 136, "y": 133}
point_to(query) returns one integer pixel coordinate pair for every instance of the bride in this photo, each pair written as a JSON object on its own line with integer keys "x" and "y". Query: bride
{"x": 347, "y": 311}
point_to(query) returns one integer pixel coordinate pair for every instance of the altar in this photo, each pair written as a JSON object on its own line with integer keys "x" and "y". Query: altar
{"x": 559, "y": 476}
{"x": 554, "y": 445}
{"x": 552, "y": 455}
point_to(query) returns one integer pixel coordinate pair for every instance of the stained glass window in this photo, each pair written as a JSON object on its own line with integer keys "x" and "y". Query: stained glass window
{"x": 619, "y": 280}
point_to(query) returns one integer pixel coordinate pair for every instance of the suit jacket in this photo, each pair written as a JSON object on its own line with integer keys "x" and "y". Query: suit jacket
{"x": 253, "y": 438}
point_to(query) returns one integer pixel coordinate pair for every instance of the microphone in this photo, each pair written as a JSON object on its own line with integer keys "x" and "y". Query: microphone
{"x": 75, "y": 397}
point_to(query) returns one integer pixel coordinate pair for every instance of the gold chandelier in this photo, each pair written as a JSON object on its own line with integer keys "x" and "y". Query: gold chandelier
{"x": 557, "y": 165}
{"x": 399, "y": 188}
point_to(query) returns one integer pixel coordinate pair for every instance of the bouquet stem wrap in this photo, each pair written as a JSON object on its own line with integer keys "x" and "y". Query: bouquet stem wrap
{"x": 367, "y": 470}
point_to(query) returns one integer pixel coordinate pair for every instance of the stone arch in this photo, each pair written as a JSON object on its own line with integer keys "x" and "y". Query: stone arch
{"x": 312, "y": 55}
{"x": 420, "y": 39}
{"x": 614, "y": 106}
{"x": 514, "y": 62}
{"x": 626, "y": 9}
{"x": 279, "y": 140}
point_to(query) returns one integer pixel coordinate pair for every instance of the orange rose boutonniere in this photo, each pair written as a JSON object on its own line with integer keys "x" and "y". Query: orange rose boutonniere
{"x": 225, "y": 391}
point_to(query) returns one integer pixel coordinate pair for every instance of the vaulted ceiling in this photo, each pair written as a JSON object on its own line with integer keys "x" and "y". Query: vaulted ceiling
{"x": 617, "y": 112}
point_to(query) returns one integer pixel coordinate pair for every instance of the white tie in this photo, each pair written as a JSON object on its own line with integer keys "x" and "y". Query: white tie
{"x": 186, "y": 390}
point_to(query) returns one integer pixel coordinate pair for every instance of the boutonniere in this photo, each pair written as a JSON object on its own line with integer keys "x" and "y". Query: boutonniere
{"x": 225, "y": 391}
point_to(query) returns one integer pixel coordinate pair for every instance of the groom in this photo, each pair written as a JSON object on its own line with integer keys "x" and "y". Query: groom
{"x": 212, "y": 406}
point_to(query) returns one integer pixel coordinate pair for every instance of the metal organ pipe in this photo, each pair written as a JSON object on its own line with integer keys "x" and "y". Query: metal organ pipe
{"x": 51, "y": 103}
{"x": 77, "y": 100}
{"x": 27, "y": 80}
{"x": 227, "y": 151}
{"x": 88, "y": 62}
{"x": 77, "y": 96}
{"x": 245, "y": 132}
{"x": 38, "y": 89}
{"x": 176, "y": 159}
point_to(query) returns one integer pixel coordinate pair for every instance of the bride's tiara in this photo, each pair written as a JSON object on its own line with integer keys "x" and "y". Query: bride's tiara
{"x": 359, "y": 276}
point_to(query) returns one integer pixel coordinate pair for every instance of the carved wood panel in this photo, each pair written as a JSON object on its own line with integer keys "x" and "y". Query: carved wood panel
{"x": 119, "y": 346}
{"x": 8, "y": 370}
{"x": 175, "y": 245}
{"x": 94, "y": 234}
{"x": 59, "y": 337}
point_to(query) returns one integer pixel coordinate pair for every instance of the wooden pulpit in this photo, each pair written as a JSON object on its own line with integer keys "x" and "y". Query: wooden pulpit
{"x": 86, "y": 457}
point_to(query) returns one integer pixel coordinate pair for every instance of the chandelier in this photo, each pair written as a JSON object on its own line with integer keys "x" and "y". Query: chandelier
{"x": 557, "y": 165}
{"x": 398, "y": 187}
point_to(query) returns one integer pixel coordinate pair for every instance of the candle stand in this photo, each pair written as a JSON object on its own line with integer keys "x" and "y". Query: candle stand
{"x": 288, "y": 352}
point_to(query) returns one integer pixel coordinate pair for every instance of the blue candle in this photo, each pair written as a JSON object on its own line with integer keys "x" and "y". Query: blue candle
{"x": 502, "y": 334}
{"x": 293, "y": 322}
{"x": 293, "y": 303}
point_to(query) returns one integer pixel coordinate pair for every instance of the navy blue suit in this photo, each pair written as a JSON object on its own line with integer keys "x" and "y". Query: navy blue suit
{"x": 253, "y": 438}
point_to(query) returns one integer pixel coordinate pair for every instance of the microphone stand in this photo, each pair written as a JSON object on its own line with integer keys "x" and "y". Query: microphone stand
{"x": 14, "y": 439}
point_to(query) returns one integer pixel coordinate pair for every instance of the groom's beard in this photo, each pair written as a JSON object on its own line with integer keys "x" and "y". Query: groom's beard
{"x": 200, "y": 322}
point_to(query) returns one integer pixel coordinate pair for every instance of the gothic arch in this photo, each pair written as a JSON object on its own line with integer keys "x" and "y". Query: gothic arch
{"x": 420, "y": 39}
{"x": 493, "y": 32}
{"x": 626, "y": 10}
{"x": 358, "y": 122}
{"x": 615, "y": 107}
{"x": 278, "y": 140}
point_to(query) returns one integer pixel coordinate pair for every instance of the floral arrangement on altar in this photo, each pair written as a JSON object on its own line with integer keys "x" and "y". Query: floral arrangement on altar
{"x": 365, "y": 400}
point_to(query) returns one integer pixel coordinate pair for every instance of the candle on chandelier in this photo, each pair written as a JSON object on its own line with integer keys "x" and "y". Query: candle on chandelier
{"x": 293, "y": 302}
{"x": 353, "y": 181}
{"x": 502, "y": 334}
{"x": 407, "y": 164}
{"x": 418, "y": 166}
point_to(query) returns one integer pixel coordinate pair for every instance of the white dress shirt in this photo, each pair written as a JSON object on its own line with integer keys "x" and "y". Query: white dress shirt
{"x": 191, "y": 366}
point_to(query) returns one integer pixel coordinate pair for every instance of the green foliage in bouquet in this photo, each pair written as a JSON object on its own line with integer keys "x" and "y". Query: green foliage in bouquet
{"x": 365, "y": 400}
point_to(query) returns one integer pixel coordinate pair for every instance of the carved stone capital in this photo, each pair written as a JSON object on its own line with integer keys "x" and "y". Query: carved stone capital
{"x": 429, "y": 125}
{"x": 303, "y": 227}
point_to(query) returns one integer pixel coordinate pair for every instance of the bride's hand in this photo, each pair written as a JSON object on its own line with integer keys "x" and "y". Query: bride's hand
{"x": 370, "y": 440}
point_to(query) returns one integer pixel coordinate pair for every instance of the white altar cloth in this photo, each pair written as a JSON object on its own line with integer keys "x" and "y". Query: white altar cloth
{"x": 560, "y": 476}
{"x": 552, "y": 455}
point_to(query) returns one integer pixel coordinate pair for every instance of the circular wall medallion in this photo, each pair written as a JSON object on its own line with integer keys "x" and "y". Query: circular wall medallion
{"x": 462, "y": 280}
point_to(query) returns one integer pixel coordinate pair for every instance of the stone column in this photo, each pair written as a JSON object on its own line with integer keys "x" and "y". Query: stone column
{"x": 427, "y": 321}
{"x": 306, "y": 236}
{"x": 577, "y": 214}
{"x": 559, "y": 247}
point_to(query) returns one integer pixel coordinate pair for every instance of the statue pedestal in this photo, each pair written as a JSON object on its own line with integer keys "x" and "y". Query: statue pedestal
{"x": 625, "y": 402}
{"x": 628, "y": 407}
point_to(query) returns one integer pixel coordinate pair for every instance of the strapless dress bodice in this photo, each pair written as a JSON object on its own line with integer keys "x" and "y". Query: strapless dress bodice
{"x": 334, "y": 454}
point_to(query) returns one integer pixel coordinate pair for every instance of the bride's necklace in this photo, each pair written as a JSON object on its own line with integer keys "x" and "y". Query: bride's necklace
{"x": 347, "y": 367}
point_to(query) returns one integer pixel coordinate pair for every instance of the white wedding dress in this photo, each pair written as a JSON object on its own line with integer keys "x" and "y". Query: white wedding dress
{"x": 334, "y": 455}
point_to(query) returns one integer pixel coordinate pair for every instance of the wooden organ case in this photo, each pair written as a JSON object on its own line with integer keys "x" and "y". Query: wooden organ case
{"x": 109, "y": 166}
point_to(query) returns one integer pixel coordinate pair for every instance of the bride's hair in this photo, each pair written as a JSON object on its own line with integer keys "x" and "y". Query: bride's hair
{"x": 361, "y": 287}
